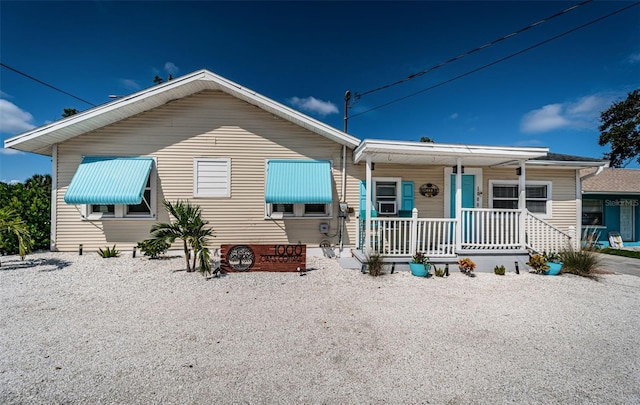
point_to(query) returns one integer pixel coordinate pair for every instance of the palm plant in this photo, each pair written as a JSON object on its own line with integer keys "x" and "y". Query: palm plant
{"x": 11, "y": 223}
{"x": 190, "y": 228}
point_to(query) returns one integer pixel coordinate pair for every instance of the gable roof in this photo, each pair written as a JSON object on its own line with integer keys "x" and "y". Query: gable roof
{"x": 41, "y": 139}
{"x": 611, "y": 181}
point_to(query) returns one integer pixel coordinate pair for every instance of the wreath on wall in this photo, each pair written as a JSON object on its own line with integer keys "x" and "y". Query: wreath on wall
{"x": 429, "y": 190}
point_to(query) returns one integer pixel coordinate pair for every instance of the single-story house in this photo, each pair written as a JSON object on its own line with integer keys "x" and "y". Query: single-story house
{"x": 611, "y": 204}
{"x": 265, "y": 173}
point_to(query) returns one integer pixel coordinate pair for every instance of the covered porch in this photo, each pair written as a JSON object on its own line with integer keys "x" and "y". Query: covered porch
{"x": 467, "y": 226}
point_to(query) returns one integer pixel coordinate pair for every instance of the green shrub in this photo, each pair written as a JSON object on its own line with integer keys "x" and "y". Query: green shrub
{"x": 31, "y": 202}
{"x": 538, "y": 263}
{"x": 153, "y": 247}
{"x": 579, "y": 262}
{"x": 109, "y": 252}
{"x": 499, "y": 270}
{"x": 439, "y": 272}
{"x": 375, "y": 265}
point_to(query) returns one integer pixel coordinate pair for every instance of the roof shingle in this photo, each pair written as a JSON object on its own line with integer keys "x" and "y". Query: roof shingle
{"x": 612, "y": 180}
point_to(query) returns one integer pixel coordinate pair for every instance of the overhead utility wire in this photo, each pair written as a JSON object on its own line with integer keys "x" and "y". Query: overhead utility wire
{"x": 357, "y": 96}
{"x": 47, "y": 84}
{"x": 499, "y": 60}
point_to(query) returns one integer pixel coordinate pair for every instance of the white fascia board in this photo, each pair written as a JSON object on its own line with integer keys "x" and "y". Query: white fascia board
{"x": 369, "y": 146}
{"x": 156, "y": 96}
{"x": 562, "y": 164}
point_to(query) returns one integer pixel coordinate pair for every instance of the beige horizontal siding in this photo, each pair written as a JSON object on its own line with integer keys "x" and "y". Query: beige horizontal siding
{"x": 208, "y": 124}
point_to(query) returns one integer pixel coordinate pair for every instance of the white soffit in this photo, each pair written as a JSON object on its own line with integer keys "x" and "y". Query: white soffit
{"x": 41, "y": 139}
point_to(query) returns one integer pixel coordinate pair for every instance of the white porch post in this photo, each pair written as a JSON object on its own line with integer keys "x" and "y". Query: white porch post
{"x": 458, "y": 227}
{"x": 577, "y": 234}
{"x": 367, "y": 205}
{"x": 54, "y": 191}
{"x": 522, "y": 204}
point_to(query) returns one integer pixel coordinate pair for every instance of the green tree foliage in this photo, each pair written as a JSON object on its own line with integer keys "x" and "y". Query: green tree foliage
{"x": 157, "y": 79}
{"x": 190, "y": 228}
{"x": 426, "y": 139}
{"x": 13, "y": 228}
{"x": 68, "y": 112}
{"x": 31, "y": 203}
{"x": 621, "y": 129}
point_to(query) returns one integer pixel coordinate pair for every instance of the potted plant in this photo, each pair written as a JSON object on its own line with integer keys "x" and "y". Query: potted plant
{"x": 466, "y": 266}
{"x": 538, "y": 263}
{"x": 554, "y": 262}
{"x": 419, "y": 264}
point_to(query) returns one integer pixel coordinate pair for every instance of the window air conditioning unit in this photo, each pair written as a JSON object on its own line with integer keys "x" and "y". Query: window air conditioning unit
{"x": 386, "y": 207}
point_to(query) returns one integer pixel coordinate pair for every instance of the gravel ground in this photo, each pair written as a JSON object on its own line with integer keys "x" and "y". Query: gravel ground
{"x": 82, "y": 329}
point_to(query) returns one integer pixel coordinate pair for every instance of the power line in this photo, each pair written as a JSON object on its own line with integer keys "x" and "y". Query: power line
{"x": 47, "y": 84}
{"x": 357, "y": 96}
{"x": 498, "y": 61}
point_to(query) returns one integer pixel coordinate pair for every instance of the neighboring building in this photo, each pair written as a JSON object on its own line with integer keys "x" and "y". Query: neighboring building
{"x": 611, "y": 203}
{"x": 265, "y": 173}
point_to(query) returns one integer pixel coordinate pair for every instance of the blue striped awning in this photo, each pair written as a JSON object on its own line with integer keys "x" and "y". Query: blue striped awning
{"x": 109, "y": 180}
{"x": 298, "y": 182}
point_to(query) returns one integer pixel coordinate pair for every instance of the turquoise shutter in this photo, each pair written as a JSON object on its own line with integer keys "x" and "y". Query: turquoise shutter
{"x": 363, "y": 201}
{"x": 407, "y": 196}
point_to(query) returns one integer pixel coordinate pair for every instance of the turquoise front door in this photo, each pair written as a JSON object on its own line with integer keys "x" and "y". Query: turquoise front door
{"x": 468, "y": 192}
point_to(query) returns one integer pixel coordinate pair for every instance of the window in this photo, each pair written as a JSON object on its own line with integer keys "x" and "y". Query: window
{"x": 298, "y": 188}
{"x": 211, "y": 177}
{"x": 504, "y": 195}
{"x": 386, "y": 195}
{"x": 301, "y": 210}
{"x": 146, "y": 208}
{"x": 592, "y": 212}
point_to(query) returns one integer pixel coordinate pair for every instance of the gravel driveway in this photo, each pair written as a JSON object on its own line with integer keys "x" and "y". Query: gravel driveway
{"x": 81, "y": 329}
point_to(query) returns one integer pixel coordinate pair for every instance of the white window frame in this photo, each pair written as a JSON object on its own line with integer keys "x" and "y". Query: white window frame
{"x": 374, "y": 196}
{"x": 120, "y": 210}
{"x": 549, "y": 200}
{"x": 299, "y": 210}
{"x": 226, "y": 193}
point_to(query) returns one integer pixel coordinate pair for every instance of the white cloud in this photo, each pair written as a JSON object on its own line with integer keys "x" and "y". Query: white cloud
{"x": 454, "y": 116}
{"x": 634, "y": 58}
{"x": 4, "y": 95}
{"x": 313, "y": 105}
{"x": 11, "y": 182}
{"x": 171, "y": 68}
{"x": 130, "y": 84}
{"x": 580, "y": 114}
{"x": 5, "y": 151}
{"x": 13, "y": 119}
{"x": 545, "y": 119}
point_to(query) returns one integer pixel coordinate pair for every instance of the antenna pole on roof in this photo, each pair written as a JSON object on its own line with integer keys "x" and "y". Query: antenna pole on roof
{"x": 347, "y": 97}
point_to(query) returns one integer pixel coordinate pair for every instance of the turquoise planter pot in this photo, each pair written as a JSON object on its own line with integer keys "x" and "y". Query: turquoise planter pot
{"x": 554, "y": 269}
{"x": 418, "y": 269}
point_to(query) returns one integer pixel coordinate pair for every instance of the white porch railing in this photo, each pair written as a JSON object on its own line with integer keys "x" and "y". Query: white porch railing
{"x": 491, "y": 229}
{"x": 544, "y": 237}
{"x": 405, "y": 236}
{"x": 482, "y": 230}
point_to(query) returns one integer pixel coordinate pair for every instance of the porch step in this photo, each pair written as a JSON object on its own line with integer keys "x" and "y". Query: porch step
{"x": 485, "y": 262}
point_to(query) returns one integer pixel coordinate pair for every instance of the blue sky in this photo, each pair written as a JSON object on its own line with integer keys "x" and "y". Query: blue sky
{"x": 308, "y": 54}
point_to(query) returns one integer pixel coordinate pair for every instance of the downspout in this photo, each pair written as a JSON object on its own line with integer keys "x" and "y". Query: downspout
{"x": 343, "y": 197}
{"x": 347, "y": 97}
{"x": 54, "y": 205}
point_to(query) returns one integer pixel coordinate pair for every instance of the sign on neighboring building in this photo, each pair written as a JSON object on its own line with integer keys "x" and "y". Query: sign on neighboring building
{"x": 263, "y": 257}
